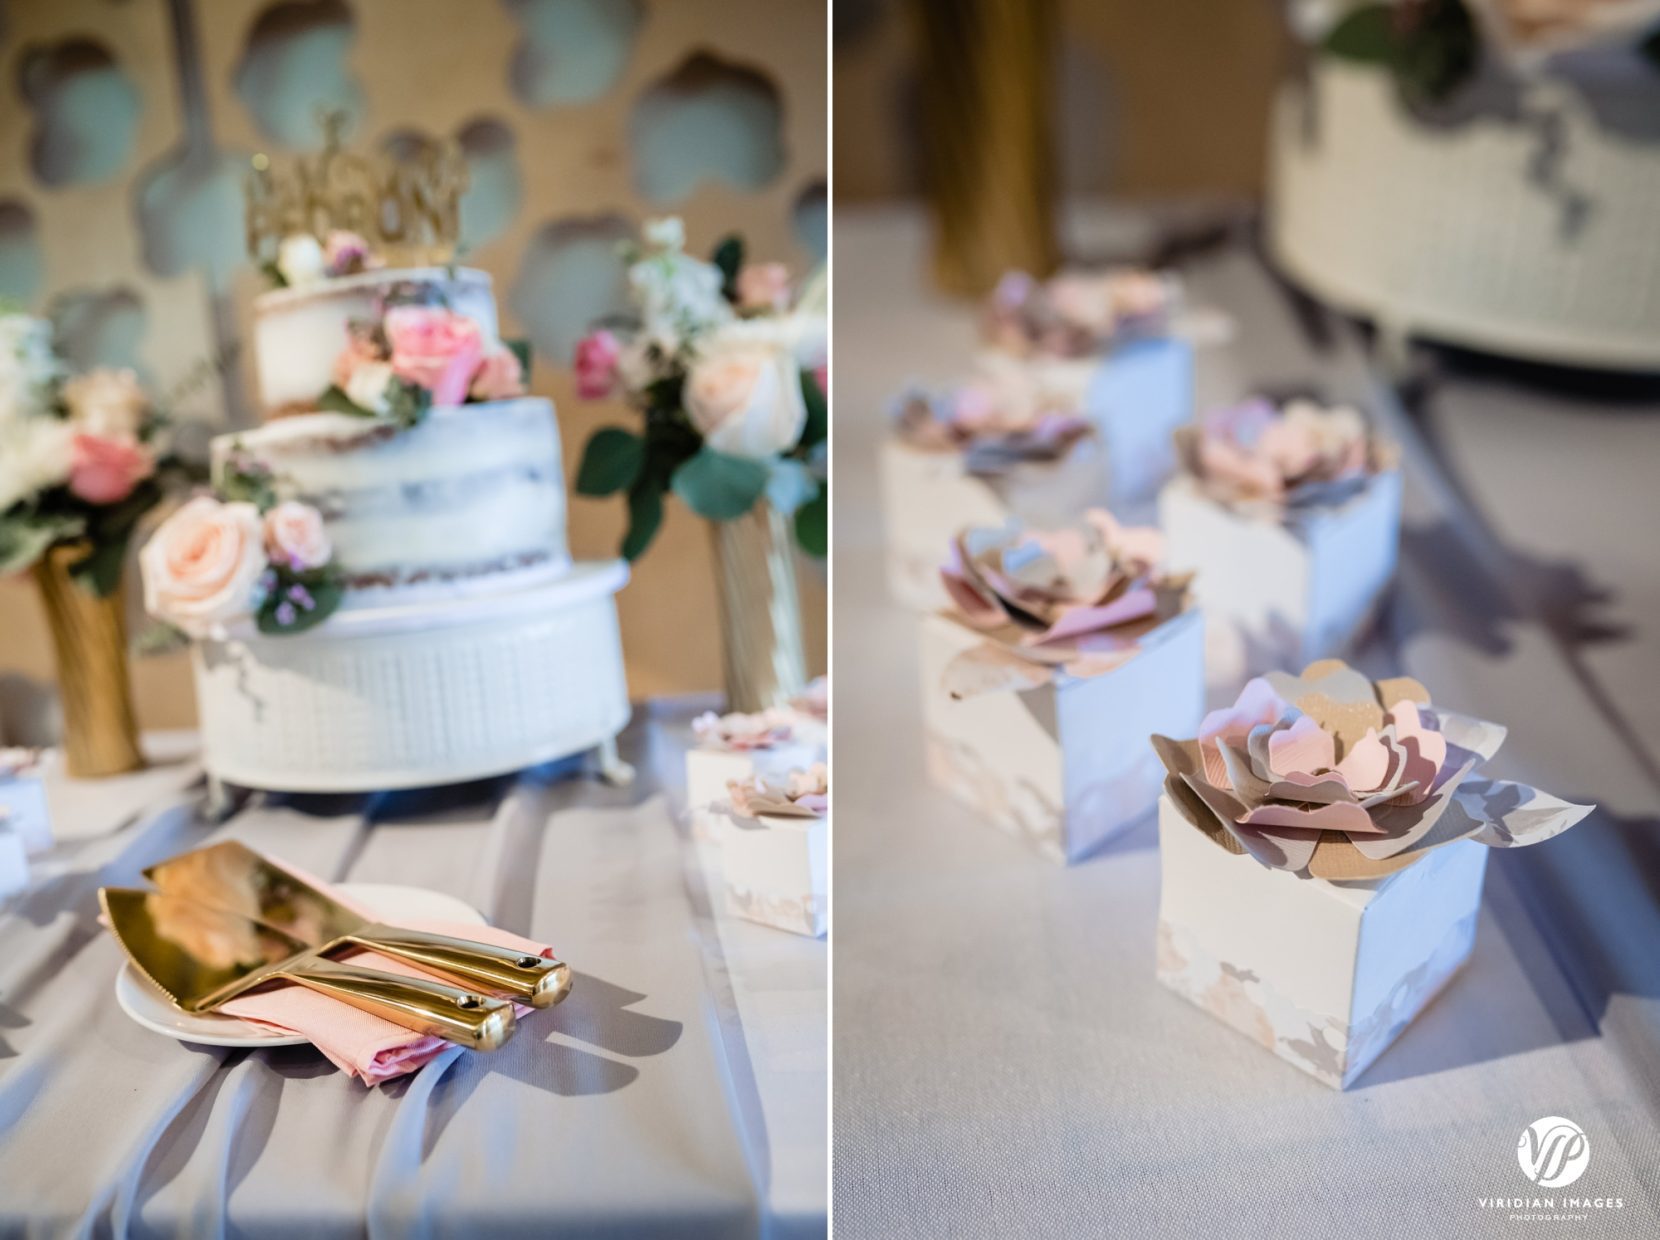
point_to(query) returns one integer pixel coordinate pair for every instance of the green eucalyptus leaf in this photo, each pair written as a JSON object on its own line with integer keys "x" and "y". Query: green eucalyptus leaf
{"x": 720, "y": 487}
{"x": 812, "y": 524}
{"x": 817, "y": 428}
{"x": 335, "y": 400}
{"x": 611, "y": 462}
{"x": 645, "y": 517}
{"x": 1366, "y": 35}
{"x": 326, "y": 594}
{"x": 24, "y": 539}
{"x": 729, "y": 257}
{"x": 99, "y": 571}
{"x": 521, "y": 350}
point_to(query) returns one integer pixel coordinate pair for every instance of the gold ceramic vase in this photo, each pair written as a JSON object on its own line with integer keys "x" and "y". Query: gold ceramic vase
{"x": 760, "y": 610}
{"x": 89, "y": 639}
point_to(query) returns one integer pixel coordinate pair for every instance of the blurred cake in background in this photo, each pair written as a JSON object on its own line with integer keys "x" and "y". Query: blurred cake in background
{"x": 1481, "y": 172}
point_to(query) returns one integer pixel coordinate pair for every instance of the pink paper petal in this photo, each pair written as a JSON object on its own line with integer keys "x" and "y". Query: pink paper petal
{"x": 1366, "y": 764}
{"x": 1343, "y": 816}
{"x": 1216, "y": 770}
{"x": 1304, "y": 747}
{"x": 1132, "y": 605}
{"x": 1257, "y": 703}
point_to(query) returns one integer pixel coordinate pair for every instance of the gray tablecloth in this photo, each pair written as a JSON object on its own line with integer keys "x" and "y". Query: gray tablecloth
{"x": 1006, "y": 1063}
{"x": 679, "y": 1091}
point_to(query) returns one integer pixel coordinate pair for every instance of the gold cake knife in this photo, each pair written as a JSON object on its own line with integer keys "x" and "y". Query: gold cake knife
{"x": 203, "y": 957}
{"x": 232, "y": 876}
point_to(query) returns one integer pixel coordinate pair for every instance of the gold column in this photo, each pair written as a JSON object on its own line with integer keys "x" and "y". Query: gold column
{"x": 987, "y": 138}
{"x": 89, "y": 640}
{"x": 760, "y": 610}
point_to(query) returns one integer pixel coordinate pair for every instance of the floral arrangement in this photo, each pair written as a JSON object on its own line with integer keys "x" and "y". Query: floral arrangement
{"x": 743, "y": 733}
{"x": 1078, "y": 313}
{"x": 303, "y": 260}
{"x": 417, "y": 353}
{"x": 241, "y": 554}
{"x": 1296, "y": 455}
{"x": 1331, "y": 775}
{"x": 725, "y": 362}
{"x": 1077, "y": 600}
{"x": 1434, "y": 47}
{"x": 805, "y": 794}
{"x": 82, "y": 457}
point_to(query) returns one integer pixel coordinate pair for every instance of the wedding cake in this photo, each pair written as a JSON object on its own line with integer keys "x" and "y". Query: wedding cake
{"x": 379, "y": 590}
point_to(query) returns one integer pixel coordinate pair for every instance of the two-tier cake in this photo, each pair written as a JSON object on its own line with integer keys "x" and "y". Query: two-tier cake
{"x": 403, "y": 486}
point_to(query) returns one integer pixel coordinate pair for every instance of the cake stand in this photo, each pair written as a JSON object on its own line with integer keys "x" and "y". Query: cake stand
{"x": 415, "y": 694}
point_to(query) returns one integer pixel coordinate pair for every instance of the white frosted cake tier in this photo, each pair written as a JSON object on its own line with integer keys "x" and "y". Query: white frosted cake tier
{"x": 298, "y": 332}
{"x": 409, "y": 695}
{"x": 470, "y": 500}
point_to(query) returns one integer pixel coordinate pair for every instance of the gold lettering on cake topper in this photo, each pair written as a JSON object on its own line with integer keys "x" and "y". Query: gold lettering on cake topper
{"x": 409, "y": 211}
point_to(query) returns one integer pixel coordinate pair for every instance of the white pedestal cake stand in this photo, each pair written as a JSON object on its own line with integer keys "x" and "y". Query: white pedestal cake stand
{"x": 416, "y": 694}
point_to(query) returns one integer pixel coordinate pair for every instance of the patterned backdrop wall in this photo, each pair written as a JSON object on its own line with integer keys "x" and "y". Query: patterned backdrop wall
{"x": 128, "y": 127}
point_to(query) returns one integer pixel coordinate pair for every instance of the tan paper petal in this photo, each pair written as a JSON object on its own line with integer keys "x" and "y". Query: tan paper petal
{"x": 1401, "y": 689}
{"x": 989, "y": 668}
{"x": 1337, "y": 859}
{"x": 1295, "y": 848}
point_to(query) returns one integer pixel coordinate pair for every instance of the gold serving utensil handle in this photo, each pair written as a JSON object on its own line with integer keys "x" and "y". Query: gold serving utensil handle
{"x": 524, "y": 976}
{"x": 425, "y": 1005}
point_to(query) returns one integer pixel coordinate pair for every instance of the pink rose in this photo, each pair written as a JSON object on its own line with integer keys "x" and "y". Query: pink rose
{"x": 104, "y": 469}
{"x": 596, "y": 359}
{"x": 294, "y": 535}
{"x": 500, "y": 377}
{"x": 436, "y": 349}
{"x": 764, "y": 286}
{"x": 821, "y": 376}
{"x": 202, "y": 568}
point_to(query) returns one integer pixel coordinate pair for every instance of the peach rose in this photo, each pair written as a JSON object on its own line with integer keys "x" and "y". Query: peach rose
{"x": 202, "y": 568}
{"x": 106, "y": 402}
{"x": 104, "y": 469}
{"x": 294, "y": 535}
{"x": 746, "y": 400}
{"x": 764, "y": 286}
{"x": 436, "y": 349}
{"x": 500, "y": 377}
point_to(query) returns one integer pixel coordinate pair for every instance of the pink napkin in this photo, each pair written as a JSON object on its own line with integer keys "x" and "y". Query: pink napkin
{"x": 369, "y": 1048}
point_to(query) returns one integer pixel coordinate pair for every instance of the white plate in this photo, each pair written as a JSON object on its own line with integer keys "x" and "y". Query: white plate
{"x": 144, "y": 1001}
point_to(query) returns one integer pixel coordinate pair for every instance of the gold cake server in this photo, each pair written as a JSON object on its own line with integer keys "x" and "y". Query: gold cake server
{"x": 203, "y": 957}
{"x": 233, "y": 876}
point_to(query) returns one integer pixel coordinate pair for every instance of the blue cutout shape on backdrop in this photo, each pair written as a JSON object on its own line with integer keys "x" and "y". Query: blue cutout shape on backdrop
{"x": 21, "y": 266}
{"x": 293, "y": 66}
{"x": 190, "y": 214}
{"x": 572, "y": 50}
{"x": 85, "y": 109}
{"x": 707, "y": 120}
{"x": 98, "y": 327}
{"x": 571, "y": 275}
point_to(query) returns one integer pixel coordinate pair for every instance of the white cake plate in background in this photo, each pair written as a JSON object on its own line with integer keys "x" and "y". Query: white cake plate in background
{"x": 146, "y": 1003}
{"x": 415, "y": 694}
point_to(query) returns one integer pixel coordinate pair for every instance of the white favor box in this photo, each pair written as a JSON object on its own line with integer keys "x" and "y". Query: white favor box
{"x": 1137, "y": 398}
{"x": 708, "y": 771}
{"x": 928, "y": 498}
{"x": 1289, "y": 592}
{"x": 1325, "y": 975}
{"x": 777, "y": 871}
{"x": 1066, "y": 765}
{"x": 23, "y": 808}
{"x": 14, "y": 858}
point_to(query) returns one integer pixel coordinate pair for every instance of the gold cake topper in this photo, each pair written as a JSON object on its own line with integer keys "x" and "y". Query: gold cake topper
{"x": 409, "y": 211}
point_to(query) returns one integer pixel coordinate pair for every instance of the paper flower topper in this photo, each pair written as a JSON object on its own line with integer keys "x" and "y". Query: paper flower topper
{"x": 1297, "y": 455}
{"x": 805, "y": 794}
{"x": 740, "y": 732}
{"x": 994, "y": 428}
{"x": 1078, "y": 600}
{"x": 1331, "y": 775}
{"x": 1079, "y": 312}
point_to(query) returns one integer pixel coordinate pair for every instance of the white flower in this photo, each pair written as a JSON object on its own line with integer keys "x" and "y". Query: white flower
{"x": 368, "y": 387}
{"x": 665, "y": 233}
{"x": 28, "y": 367}
{"x": 35, "y": 454}
{"x": 678, "y": 294}
{"x": 746, "y": 400}
{"x": 802, "y": 334}
{"x": 301, "y": 260}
